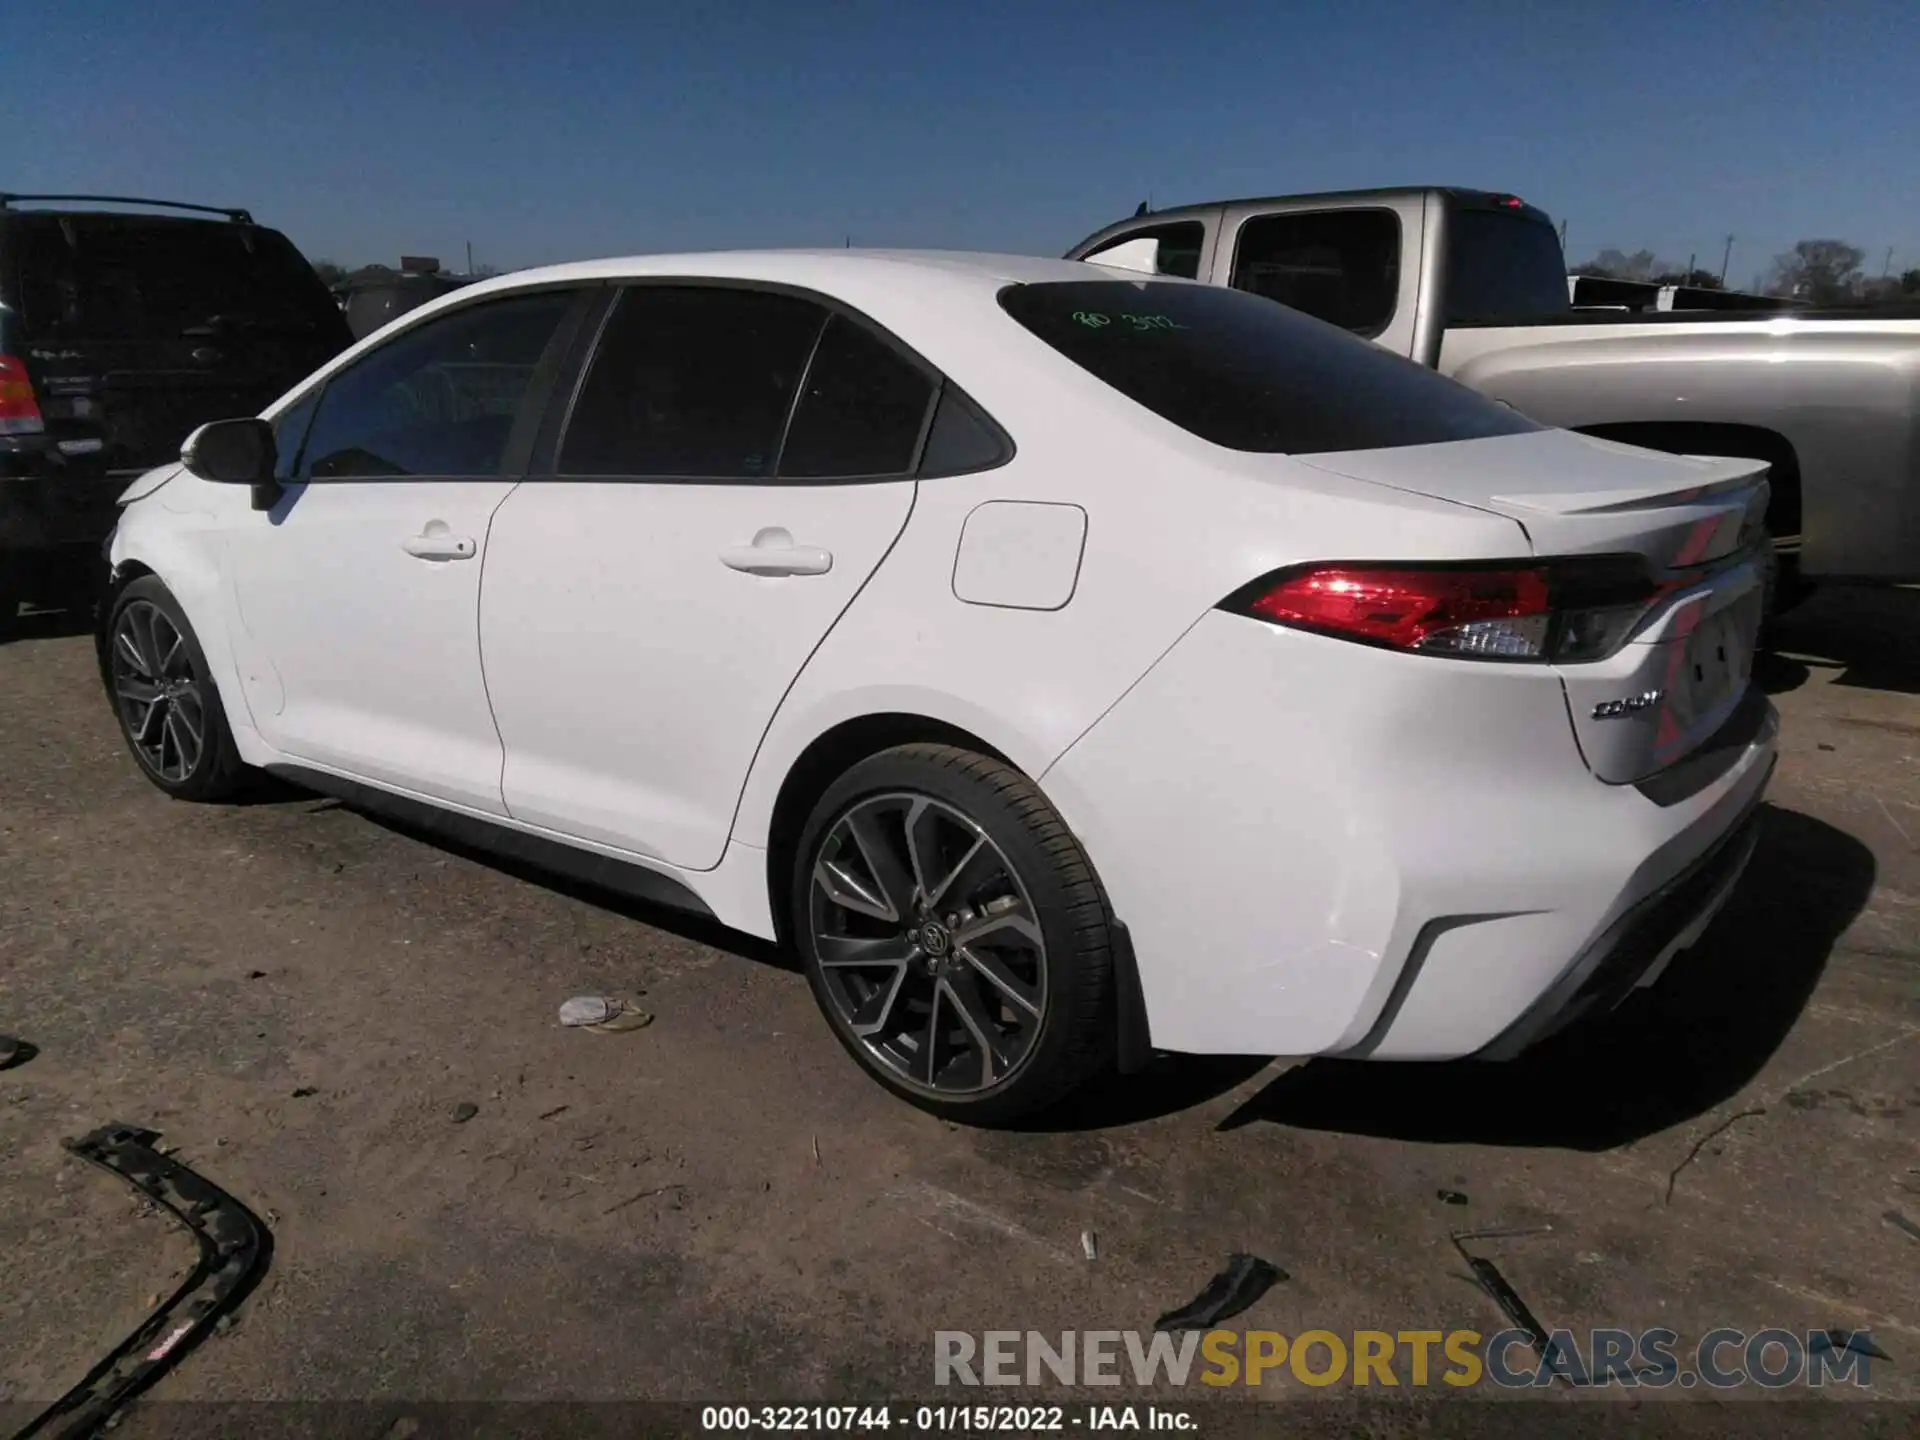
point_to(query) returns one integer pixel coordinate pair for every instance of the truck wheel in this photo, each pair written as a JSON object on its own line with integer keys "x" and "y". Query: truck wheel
{"x": 1783, "y": 587}
{"x": 955, "y": 934}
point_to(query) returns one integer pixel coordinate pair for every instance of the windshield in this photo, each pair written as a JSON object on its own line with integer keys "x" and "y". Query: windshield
{"x": 137, "y": 277}
{"x": 1250, "y": 374}
{"x": 1502, "y": 266}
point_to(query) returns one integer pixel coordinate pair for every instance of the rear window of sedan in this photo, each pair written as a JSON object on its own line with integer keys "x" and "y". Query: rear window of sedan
{"x": 1249, "y": 374}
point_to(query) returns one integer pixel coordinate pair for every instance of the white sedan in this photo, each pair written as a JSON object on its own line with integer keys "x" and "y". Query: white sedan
{"x": 1068, "y": 664}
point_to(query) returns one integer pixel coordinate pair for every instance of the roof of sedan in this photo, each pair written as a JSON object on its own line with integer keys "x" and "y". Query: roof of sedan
{"x": 807, "y": 267}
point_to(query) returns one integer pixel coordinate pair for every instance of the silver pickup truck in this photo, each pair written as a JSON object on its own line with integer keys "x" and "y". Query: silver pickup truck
{"x": 1474, "y": 284}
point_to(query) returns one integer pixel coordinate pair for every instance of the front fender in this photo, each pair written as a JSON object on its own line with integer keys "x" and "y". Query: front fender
{"x": 175, "y": 532}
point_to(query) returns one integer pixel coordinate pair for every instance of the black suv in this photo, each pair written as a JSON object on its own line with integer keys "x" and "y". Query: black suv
{"x": 119, "y": 334}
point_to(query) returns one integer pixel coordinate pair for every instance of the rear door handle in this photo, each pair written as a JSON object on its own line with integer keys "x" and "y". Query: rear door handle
{"x": 774, "y": 553}
{"x": 439, "y": 544}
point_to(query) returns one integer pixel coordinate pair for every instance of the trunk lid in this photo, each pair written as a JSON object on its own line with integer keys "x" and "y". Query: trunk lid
{"x": 1575, "y": 495}
{"x": 1696, "y": 521}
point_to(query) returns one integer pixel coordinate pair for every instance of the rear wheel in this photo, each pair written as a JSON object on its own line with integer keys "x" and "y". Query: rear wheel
{"x": 954, "y": 933}
{"x": 164, "y": 696}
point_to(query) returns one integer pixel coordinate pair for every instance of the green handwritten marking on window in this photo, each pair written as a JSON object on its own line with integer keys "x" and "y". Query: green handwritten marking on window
{"x": 1094, "y": 320}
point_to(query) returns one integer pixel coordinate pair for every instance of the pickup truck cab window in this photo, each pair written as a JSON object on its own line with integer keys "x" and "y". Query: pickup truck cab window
{"x": 1341, "y": 266}
{"x": 1503, "y": 265}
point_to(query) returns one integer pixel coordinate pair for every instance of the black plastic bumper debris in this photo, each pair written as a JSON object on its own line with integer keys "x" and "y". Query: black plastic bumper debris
{"x": 1245, "y": 1280}
{"x": 234, "y": 1252}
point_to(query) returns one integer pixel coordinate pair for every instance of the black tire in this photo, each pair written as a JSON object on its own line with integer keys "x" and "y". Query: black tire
{"x": 1031, "y": 860}
{"x": 1783, "y": 589}
{"x": 157, "y": 731}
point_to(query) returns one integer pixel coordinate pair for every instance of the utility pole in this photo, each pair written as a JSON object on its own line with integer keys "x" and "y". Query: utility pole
{"x": 1887, "y": 268}
{"x": 1686, "y": 277}
{"x": 469, "y": 257}
{"x": 1563, "y": 238}
{"x": 1726, "y": 256}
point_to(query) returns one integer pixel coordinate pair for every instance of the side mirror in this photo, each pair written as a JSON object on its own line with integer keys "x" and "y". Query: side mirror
{"x": 235, "y": 452}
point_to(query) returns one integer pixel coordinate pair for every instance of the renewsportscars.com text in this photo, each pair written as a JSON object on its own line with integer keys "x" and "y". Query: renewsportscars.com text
{"x": 1722, "y": 1359}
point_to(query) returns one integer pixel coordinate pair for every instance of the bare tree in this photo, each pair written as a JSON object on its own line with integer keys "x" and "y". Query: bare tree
{"x": 1697, "y": 278}
{"x": 1825, "y": 272}
{"x": 1618, "y": 265}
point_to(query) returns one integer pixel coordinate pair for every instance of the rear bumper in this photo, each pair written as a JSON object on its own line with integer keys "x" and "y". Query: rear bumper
{"x": 52, "y": 507}
{"x": 1323, "y": 848}
{"x": 1637, "y": 946}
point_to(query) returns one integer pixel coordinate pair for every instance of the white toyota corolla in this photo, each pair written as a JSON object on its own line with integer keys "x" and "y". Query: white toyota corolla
{"x": 1066, "y": 663}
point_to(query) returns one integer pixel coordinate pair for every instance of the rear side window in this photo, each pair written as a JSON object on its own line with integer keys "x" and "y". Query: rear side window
{"x": 962, "y": 441}
{"x": 691, "y": 383}
{"x": 443, "y": 398}
{"x": 1247, "y": 375}
{"x": 861, "y": 411}
{"x": 1341, "y": 266}
{"x": 1180, "y": 245}
{"x": 130, "y": 277}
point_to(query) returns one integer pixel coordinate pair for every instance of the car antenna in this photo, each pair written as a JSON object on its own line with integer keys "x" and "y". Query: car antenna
{"x": 1143, "y": 209}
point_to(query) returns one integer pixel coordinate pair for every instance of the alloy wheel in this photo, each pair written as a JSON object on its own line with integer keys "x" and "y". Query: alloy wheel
{"x": 161, "y": 699}
{"x": 928, "y": 945}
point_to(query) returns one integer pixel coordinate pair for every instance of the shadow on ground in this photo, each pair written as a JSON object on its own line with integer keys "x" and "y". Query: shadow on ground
{"x": 1171, "y": 1083}
{"x": 696, "y": 928}
{"x": 1869, "y": 634}
{"x": 1670, "y": 1053}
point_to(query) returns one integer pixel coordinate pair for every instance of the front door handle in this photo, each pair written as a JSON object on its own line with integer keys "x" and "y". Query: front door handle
{"x": 436, "y": 542}
{"x": 774, "y": 553}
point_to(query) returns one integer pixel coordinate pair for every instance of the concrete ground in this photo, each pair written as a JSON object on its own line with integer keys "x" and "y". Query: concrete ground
{"x": 720, "y": 1206}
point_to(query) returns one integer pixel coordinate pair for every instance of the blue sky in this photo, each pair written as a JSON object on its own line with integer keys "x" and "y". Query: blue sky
{"x": 559, "y": 131}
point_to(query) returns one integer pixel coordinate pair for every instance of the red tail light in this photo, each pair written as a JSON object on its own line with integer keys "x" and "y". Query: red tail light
{"x": 19, "y": 409}
{"x": 1567, "y": 610}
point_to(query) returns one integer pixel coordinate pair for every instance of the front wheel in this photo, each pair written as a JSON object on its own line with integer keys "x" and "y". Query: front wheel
{"x": 165, "y": 699}
{"x": 955, "y": 934}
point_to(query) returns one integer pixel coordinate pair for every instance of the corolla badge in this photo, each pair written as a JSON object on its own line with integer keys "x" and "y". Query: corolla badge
{"x": 1630, "y": 705}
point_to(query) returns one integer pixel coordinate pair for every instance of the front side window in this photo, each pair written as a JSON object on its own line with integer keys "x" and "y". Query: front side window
{"x": 1249, "y": 375}
{"x": 289, "y": 430}
{"x": 1181, "y": 243}
{"x": 691, "y": 383}
{"x": 1341, "y": 266}
{"x": 443, "y": 398}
